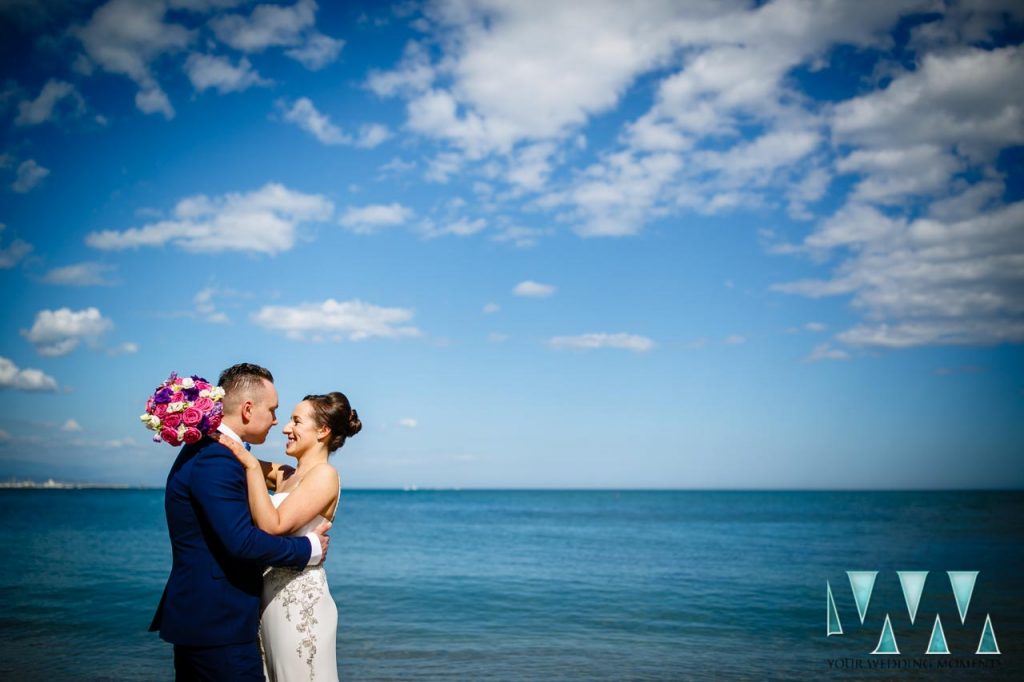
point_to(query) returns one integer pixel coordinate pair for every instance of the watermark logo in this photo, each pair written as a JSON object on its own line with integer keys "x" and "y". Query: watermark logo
{"x": 912, "y": 584}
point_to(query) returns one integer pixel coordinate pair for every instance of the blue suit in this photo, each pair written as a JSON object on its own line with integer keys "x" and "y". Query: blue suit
{"x": 212, "y": 597}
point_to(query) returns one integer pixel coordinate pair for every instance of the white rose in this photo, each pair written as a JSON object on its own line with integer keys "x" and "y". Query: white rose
{"x": 154, "y": 422}
{"x": 216, "y": 393}
{"x": 187, "y": 382}
{"x": 205, "y": 393}
{"x": 176, "y": 407}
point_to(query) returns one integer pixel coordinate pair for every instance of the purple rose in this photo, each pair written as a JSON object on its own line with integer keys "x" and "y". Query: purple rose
{"x": 163, "y": 395}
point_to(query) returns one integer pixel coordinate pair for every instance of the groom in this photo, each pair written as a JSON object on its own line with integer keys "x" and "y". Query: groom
{"x": 210, "y": 608}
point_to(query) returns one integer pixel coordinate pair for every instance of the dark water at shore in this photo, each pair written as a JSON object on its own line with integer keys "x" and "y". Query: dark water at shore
{"x": 587, "y": 585}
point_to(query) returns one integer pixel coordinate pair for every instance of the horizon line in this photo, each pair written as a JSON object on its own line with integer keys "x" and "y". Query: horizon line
{"x": 52, "y": 484}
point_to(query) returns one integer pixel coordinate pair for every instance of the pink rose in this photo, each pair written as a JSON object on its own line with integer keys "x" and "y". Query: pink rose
{"x": 203, "y": 404}
{"x": 214, "y": 422}
{"x": 191, "y": 417}
{"x": 172, "y": 419}
{"x": 191, "y": 435}
{"x": 160, "y": 410}
{"x": 149, "y": 405}
{"x": 178, "y": 397}
{"x": 170, "y": 435}
{"x": 203, "y": 386}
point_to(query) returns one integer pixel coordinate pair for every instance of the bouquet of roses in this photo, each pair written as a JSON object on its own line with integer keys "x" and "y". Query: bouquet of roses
{"x": 183, "y": 409}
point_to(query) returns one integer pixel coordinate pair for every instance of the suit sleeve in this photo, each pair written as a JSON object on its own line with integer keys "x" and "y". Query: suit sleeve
{"x": 218, "y": 487}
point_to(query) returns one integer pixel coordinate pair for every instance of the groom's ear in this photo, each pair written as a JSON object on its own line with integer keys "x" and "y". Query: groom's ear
{"x": 247, "y": 411}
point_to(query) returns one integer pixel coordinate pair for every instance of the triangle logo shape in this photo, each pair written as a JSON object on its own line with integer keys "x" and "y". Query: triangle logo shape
{"x": 988, "y": 644}
{"x": 937, "y": 643}
{"x": 963, "y": 587}
{"x": 862, "y": 583}
{"x": 833, "y": 625}
{"x": 887, "y": 640}
{"x": 912, "y": 583}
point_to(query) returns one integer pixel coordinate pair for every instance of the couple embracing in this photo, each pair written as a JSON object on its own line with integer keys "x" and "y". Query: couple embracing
{"x": 229, "y": 616}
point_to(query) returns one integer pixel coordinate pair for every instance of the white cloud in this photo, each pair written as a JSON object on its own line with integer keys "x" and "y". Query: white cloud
{"x": 892, "y": 176}
{"x": 413, "y": 75}
{"x": 734, "y": 340}
{"x": 569, "y": 61}
{"x": 58, "y": 332}
{"x": 317, "y": 52}
{"x": 24, "y": 379}
{"x": 292, "y": 26}
{"x": 153, "y": 100}
{"x": 407, "y": 423}
{"x": 372, "y": 135}
{"x": 969, "y": 99}
{"x": 80, "y": 275}
{"x": 521, "y": 236}
{"x": 51, "y": 99}
{"x": 633, "y": 342}
{"x": 125, "y": 37}
{"x": 205, "y": 306}
{"x": 815, "y": 327}
{"x": 491, "y": 308}
{"x": 261, "y": 221}
{"x": 462, "y": 227}
{"x": 71, "y": 426}
{"x": 126, "y": 348}
{"x": 926, "y": 281}
{"x": 466, "y": 83}
{"x": 13, "y": 253}
{"x": 210, "y": 71}
{"x": 333, "y": 320}
{"x": 616, "y": 196}
{"x": 825, "y": 351}
{"x": 29, "y": 175}
{"x": 305, "y": 115}
{"x": 267, "y": 26}
{"x": 370, "y": 219}
{"x": 533, "y": 289}
{"x": 496, "y": 337}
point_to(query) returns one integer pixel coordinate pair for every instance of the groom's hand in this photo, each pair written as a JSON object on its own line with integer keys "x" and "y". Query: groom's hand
{"x": 321, "y": 534}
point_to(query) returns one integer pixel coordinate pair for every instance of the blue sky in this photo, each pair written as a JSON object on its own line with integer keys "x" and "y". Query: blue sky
{"x": 605, "y": 244}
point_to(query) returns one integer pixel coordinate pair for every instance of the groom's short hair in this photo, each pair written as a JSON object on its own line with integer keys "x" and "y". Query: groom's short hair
{"x": 243, "y": 381}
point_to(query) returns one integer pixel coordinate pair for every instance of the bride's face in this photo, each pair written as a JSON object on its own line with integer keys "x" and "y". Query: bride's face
{"x": 302, "y": 431}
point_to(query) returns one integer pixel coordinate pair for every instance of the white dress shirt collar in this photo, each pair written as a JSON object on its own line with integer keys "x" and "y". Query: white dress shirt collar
{"x": 227, "y": 431}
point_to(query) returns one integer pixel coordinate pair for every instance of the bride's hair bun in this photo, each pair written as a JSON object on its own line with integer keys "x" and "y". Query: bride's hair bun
{"x": 334, "y": 411}
{"x": 354, "y": 425}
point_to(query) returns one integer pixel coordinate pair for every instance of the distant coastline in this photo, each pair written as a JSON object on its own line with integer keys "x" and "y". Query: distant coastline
{"x": 51, "y": 484}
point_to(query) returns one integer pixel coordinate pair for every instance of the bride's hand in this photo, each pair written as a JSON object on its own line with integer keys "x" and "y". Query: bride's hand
{"x": 238, "y": 450}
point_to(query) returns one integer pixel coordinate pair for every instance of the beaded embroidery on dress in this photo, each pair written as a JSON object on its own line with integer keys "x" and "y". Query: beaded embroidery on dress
{"x": 299, "y": 624}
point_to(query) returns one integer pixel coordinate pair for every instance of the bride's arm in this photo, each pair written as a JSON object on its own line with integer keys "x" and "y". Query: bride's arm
{"x": 319, "y": 488}
{"x": 257, "y": 479}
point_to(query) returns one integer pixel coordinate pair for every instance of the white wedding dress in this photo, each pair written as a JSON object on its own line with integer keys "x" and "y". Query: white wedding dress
{"x": 299, "y": 624}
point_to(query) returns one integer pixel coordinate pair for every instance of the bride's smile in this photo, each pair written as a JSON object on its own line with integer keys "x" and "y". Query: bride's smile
{"x": 302, "y": 432}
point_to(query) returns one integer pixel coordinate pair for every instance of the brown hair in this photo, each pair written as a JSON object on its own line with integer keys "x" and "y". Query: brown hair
{"x": 334, "y": 411}
{"x": 243, "y": 381}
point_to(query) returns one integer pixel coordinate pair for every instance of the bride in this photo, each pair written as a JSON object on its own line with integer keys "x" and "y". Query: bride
{"x": 299, "y": 624}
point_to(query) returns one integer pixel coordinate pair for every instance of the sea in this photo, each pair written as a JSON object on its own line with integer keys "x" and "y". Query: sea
{"x": 559, "y": 585}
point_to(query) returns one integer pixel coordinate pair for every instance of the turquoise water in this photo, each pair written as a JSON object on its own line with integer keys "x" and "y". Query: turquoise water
{"x": 588, "y": 585}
